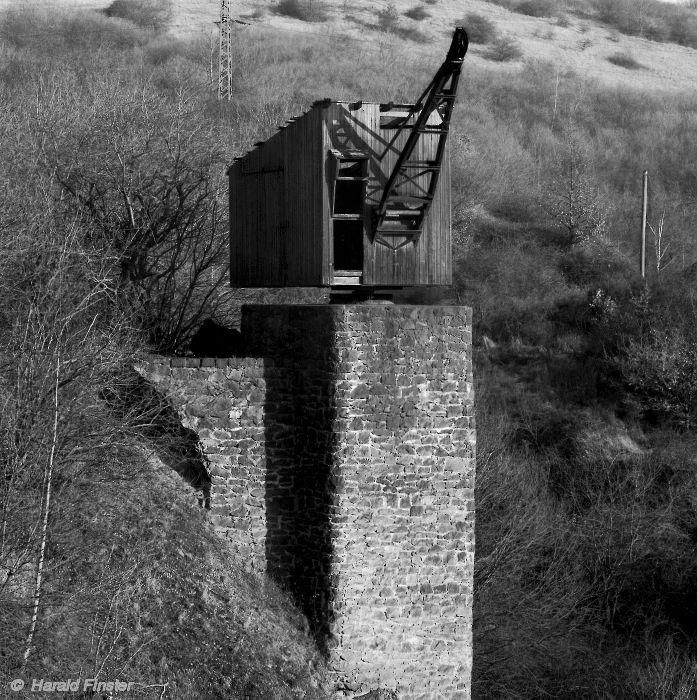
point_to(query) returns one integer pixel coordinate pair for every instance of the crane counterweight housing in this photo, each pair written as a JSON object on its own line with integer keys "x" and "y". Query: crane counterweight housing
{"x": 350, "y": 194}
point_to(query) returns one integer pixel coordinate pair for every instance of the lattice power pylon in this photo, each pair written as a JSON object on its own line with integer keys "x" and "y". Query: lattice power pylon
{"x": 225, "y": 53}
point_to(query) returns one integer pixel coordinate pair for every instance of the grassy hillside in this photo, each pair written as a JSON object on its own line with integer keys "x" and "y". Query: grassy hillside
{"x": 151, "y": 595}
{"x": 595, "y": 38}
{"x": 587, "y": 393}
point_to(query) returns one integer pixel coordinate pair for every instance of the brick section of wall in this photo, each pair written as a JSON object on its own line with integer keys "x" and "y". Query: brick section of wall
{"x": 343, "y": 463}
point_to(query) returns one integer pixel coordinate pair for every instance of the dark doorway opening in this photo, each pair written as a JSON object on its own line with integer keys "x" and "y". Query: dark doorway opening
{"x": 348, "y": 245}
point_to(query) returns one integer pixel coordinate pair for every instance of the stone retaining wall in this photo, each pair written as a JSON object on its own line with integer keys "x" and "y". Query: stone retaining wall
{"x": 223, "y": 401}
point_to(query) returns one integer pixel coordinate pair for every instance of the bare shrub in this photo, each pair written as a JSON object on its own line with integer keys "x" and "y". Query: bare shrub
{"x": 164, "y": 49}
{"x": 661, "y": 366}
{"x": 388, "y": 18}
{"x": 305, "y": 10}
{"x": 571, "y": 196}
{"x": 388, "y": 22}
{"x": 666, "y": 671}
{"x": 150, "y": 186}
{"x": 657, "y": 29}
{"x": 417, "y": 13}
{"x": 683, "y": 29}
{"x": 412, "y": 34}
{"x": 480, "y": 29}
{"x": 625, "y": 60}
{"x": 617, "y": 13}
{"x": 508, "y": 4}
{"x": 149, "y": 14}
{"x": 503, "y": 49}
{"x": 536, "y": 8}
{"x": 655, "y": 20}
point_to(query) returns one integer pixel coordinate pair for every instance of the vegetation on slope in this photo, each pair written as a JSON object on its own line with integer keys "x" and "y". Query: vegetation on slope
{"x": 652, "y": 19}
{"x": 110, "y": 219}
{"x": 585, "y": 495}
{"x": 112, "y": 154}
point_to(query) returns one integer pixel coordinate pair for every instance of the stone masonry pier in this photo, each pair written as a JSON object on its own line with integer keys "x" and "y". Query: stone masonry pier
{"x": 341, "y": 451}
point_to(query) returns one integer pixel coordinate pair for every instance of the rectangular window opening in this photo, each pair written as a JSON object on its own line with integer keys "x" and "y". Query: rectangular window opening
{"x": 395, "y": 119}
{"x": 348, "y": 197}
{"x": 352, "y": 167}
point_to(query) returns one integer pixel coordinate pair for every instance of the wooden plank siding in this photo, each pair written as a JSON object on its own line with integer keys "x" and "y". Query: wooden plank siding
{"x": 281, "y": 210}
{"x": 303, "y": 173}
{"x": 275, "y": 236}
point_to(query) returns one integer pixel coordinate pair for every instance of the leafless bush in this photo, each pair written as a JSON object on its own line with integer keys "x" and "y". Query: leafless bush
{"x": 149, "y": 179}
{"x": 666, "y": 671}
{"x": 536, "y": 8}
{"x": 625, "y": 60}
{"x": 480, "y": 29}
{"x": 149, "y": 14}
{"x": 417, "y": 13}
{"x": 571, "y": 196}
{"x": 503, "y": 49}
{"x": 661, "y": 368}
{"x": 655, "y": 20}
{"x": 305, "y": 10}
{"x": 388, "y": 18}
{"x": 64, "y": 340}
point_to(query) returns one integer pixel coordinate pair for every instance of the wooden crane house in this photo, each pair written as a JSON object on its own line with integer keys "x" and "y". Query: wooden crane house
{"x": 350, "y": 195}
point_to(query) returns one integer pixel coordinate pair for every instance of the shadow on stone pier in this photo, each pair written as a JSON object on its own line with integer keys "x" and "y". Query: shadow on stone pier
{"x": 300, "y": 360}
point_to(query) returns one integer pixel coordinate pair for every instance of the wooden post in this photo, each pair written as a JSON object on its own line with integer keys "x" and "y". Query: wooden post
{"x": 644, "y": 206}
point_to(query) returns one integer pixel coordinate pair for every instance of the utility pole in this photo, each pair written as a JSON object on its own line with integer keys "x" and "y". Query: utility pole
{"x": 644, "y": 207}
{"x": 225, "y": 53}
